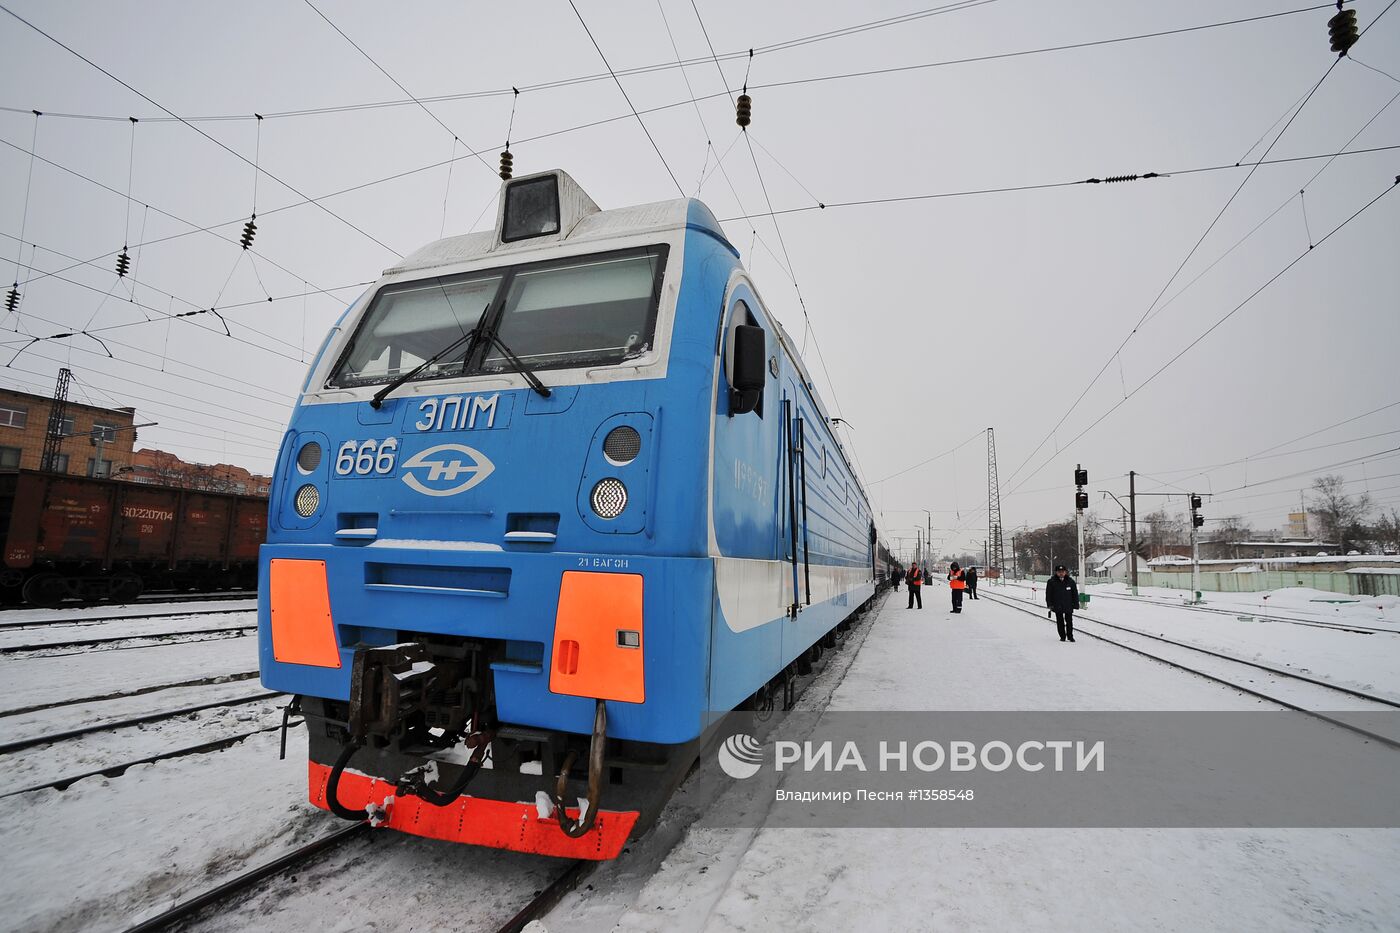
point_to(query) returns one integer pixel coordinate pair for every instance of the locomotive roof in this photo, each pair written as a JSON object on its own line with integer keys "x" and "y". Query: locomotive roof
{"x": 591, "y": 225}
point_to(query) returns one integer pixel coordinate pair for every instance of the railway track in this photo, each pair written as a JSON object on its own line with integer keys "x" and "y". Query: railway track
{"x": 190, "y": 910}
{"x": 1244, "y": 685}
{"x": 50, "y": 738}
{"x": 120, "y": 768}
{"x": 157, "y": 638}
{"x": 298, "y": 858}
{"x": 98, "y": 620}
{"x": 1262, "y": 616}
{"x": 540, "y": 904}
{"x": 123, "y": 694}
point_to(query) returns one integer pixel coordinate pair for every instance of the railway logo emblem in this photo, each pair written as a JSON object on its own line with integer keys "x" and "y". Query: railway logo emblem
{"x": 741, "y": 756}
{"x": 456, "y": 464}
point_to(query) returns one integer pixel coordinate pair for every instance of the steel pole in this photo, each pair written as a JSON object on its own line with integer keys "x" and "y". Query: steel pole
{"x": 1132, "y": 526}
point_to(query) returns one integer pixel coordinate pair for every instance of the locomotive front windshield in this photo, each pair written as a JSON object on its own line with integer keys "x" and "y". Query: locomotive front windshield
{"x": 584, "y": 311}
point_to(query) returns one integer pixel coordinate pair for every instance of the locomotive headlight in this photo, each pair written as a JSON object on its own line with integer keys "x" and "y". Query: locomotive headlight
{"x": 309, "y": 457}
{"x": 609, "y": 497}
{"x": 308, "y": 500}
{"x": 622, "y": 445}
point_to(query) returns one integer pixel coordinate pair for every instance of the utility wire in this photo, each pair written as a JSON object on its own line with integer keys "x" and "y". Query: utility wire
{"x": 69, "y": 49}
{"x": 1208, "y": 331}
{"x": 421, "y": 106}
{"x": 640, "y": 121}
{"x": 195, "y": 228}
{"x": 550, "y": 85}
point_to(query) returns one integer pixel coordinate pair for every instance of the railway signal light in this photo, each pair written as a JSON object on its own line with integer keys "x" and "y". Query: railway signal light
{"x": 1197, "y": 519}
{"x": 123, "y": 263}
{"x": 1342, "y": 29}
{"x": 1081, "y": 477}
{"x": 1195, "y": 503}
{"x": 1081, "y": 500}
{"x": 250, "y": 230}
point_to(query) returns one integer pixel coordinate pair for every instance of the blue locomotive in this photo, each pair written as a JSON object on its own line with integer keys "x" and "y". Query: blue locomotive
{"x": 554, "y": 498}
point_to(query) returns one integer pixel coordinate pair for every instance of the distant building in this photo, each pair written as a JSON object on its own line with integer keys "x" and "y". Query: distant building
{"x": 1257, "y": 550}
{"x": 1107, "y": 564}
{"x": 24, "y": 422}
{"x": 162, "y": 468}
{"x": 1298, "y": 525}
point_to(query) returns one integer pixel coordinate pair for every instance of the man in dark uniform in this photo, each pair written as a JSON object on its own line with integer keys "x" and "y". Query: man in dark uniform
{"x": 1061, "y": 597}
{"x": 915, "y": 579}
{"x": 894, "y": 578}
{"x": 971, "y": 579}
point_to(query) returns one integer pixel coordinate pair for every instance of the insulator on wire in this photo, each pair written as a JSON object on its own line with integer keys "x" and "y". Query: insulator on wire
{"x": 507, "y": 165}
{"x": 123, "y": 263}
{"x": 743, "y": 111}
{"x": 12, "y": 299}
{"x": 1342, "y": 29}
{"x": 250, "y": 230}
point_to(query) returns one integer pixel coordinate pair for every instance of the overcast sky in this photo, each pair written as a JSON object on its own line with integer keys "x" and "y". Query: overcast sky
{"x": 935, "y": 318}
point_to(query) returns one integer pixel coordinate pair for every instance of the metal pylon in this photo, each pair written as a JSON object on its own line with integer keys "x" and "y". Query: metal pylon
{"x": 996, "y": 558}
{"x": 58, "y": 411}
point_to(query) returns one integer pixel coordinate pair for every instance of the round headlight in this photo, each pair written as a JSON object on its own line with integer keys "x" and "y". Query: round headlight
{"x": 622, "y": 445}
{"x": 309, "y": 457}
{"x": 308, "y": 500}
{"x": 609, "y": 498}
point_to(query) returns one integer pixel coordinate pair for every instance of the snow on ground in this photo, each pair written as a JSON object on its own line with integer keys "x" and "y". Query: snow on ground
{"x": 393, "y": 883}
{"x": 25, "y": 682}
{"x": 109, "y": 851}
{"x": 994, "y": 657}
{"x": 1293, "y": 601}
{"x": 91, "y": 614}
{"x": 1356, "y": 659}
{"x": 61, "y": 632}
{"x": 102, "y": 750}
{"x": 81, "y": 715}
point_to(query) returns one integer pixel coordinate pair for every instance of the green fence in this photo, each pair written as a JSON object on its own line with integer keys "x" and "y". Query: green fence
{"x": 1350, "y": 584}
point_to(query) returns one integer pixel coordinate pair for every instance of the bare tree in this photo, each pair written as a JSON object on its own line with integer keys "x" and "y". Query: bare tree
{"x": 1386, "y": 532}
{"x": 1162, "y": 532}
{"x": 1223, "y": 537}
{"x": 1339, "y": 515}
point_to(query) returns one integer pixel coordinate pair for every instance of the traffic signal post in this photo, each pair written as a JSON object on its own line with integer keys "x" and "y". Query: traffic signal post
{"x": 1197, "y": 520}
{"x": 1081, "y": 502}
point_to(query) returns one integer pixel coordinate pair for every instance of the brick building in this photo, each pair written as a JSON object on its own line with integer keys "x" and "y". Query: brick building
{"x": 162, "y": 468}
{"x": 24, "y": 420}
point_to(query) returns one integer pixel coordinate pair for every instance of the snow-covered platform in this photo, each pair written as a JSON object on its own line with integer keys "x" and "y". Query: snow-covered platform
{"x": 993, "y": 657}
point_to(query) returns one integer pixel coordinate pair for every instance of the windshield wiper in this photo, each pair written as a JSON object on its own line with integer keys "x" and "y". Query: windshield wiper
{"x": 468, "y": 338}
{"x": 520, "y": 367}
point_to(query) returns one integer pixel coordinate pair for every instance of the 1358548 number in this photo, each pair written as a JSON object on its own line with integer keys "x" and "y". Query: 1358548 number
{"x": 367, "y": 458}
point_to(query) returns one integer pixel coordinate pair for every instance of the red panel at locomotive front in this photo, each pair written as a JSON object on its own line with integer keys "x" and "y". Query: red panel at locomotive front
{"x": 145, "y": 523}
{"x": 249, "y": 530}
{"x": 203, "y": 527}
{"x": 76, "y": 520}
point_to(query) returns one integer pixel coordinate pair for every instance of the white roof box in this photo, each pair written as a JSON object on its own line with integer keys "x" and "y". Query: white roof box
{"x": 542, "y": 208}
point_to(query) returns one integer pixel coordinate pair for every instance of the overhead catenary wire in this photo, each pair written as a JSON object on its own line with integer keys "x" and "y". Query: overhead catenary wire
{"x": 618, "y": 82}
{"x": 726, "y": 93}
{"x": 1220, "y": 321}
{"x": 75, "y": 53}
{"x": 419, "y": 103}
{"x": 726, "y": 56}
{"x": 558, "y": 83}
{"x": 195, "y": 228}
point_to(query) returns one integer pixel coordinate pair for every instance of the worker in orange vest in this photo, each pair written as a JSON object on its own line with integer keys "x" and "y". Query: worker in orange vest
{"x": 915, "y": 579}
{"x": 957, "y": 582}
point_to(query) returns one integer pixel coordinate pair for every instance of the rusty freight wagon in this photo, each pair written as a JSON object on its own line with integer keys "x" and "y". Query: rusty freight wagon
{"x": 67, "y": 537}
